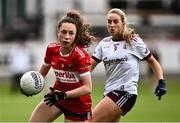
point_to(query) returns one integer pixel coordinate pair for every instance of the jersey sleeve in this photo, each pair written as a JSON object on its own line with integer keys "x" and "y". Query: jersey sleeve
{"x": 97, "y": 55}
{"x": 47, "y": 57}
{"x": 139, "y": 49}
{"x": 84, "y": 64}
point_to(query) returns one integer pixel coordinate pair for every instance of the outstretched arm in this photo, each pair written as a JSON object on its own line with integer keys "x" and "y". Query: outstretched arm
{"x": 156, "y": 67}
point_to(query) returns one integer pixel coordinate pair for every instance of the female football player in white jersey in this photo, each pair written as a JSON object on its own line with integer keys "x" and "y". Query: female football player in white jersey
{"x": 71, "y": 93}
{"x": 121, "y": 53}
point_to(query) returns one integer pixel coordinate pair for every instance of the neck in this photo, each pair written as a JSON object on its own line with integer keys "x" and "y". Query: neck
{"x": 117, "y": 38}
{"x": 66, "y": 50}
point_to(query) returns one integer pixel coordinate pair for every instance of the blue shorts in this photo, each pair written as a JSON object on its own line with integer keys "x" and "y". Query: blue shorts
{"x": 123, "y": 99}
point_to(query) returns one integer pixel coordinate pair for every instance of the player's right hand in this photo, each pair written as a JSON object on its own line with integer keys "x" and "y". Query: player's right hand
{"x": 54, "y": 96}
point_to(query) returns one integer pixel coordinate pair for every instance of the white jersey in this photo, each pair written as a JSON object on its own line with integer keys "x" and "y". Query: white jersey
{"x": 121, "y": 63}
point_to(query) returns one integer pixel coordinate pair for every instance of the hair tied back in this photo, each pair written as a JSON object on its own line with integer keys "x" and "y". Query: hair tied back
{"x": 74, "y": 14}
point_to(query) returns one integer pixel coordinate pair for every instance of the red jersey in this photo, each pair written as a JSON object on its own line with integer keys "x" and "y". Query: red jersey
{"x": 68, "y": 69}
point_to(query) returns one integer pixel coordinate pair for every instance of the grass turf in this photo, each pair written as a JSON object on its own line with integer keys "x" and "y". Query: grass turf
{"x": 18, "y": 108}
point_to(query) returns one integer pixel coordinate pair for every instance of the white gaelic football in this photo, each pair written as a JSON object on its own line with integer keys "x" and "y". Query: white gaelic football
{"x": 32, "y": 82}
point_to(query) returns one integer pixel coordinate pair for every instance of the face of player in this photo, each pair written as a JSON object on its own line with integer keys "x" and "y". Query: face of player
{"x": 114, "y": 25}
{"x": 66, "y": 35}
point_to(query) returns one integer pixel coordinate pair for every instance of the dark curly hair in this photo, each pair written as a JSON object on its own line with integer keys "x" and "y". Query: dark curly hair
{"x": 83, "y": 37}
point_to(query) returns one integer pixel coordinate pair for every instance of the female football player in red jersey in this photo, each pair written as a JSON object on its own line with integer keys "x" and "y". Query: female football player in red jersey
{"x": 71, "y": 93}
{"x": 121, "y": 53}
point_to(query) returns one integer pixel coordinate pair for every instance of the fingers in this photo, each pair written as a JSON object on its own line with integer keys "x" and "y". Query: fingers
{"x": 52, "y": 97}
{"x": 47, "y": 95}
{"x": 49, "y": 102}
{"x": 159, "y": 97}
{"x": 158, "y": 94}
{"x": 49, "y": 99}
{"x": 52, "y": 89}
{"x": 46, "y": 100}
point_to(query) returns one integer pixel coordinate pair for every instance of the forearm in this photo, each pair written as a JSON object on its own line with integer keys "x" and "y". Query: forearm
{"x": 86, "y": 88}
{"x": 156, "y": 67}
{"x": 81, "y": 91}
{"x": 157, "y": 70}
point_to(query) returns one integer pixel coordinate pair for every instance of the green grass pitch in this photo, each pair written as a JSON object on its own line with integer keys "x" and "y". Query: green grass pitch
{"x": 18, "y": 108}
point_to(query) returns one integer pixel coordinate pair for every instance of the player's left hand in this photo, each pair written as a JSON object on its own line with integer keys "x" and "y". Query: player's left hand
{"x": 54, "y": 96}
{"x": 160, "y": 89}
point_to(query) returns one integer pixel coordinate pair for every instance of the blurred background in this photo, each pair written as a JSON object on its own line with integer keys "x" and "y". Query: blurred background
{"x": 27, "y": 26}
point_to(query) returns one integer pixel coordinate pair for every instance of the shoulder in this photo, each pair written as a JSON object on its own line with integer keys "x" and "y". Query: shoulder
{"x": 81, "y": 52}
{"x": 137, "y": 39}
{"x": 106, "y": 39}
{"x": 53, "y": 45}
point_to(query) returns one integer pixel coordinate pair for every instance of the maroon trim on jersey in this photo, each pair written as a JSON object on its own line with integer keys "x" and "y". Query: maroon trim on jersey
{"x": 96, "y": 59}
{"x": 148, "y": 56}
{"x": 135, "y": 39}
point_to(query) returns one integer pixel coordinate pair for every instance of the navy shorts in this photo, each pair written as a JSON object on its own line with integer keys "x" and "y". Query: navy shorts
{"x": 70, "y": 115}
{"x": 123, "y": 99}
